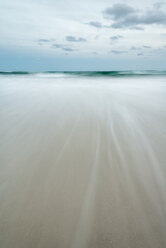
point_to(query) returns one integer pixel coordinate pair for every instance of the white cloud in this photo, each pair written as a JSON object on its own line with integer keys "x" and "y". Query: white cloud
{"x": 126, "y": 16}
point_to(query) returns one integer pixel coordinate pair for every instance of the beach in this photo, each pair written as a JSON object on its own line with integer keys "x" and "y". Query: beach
{"x": 82, "y": 161}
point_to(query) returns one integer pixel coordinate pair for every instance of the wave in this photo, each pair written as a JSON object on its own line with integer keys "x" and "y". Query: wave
{"x": 15, "y": 72}
{"x": 87, "y": 73}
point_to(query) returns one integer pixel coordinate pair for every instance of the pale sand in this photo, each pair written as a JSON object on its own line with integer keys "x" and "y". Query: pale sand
{"x": 83, "y": 162}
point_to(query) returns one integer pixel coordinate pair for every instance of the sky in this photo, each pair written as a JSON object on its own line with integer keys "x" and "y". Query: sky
{"x": 62, "y": 35}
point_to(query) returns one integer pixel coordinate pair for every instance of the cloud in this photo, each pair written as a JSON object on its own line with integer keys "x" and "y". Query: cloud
{"x": 118, "y": 11}
{"x": 146, "y": 46}
{"x": 64, "y": 47}
{"x": 95, "y": 24}
{"x": 57, "y": 45}
{"x": 116, "y": 37}
{"x": 137, "y": 28}
{"x": 96, "y": 37}
{"x": 158, "y": 5}
{"x": 140, "y": 49}
{"x": 95, "y": 53}
{"x": 68, "y": 49}
{"x": 125, "y": 16}
{"x": 140, "y": 54}
{"x": 134, "y": 48}
{"x": 118, "y": 51}
{"x": 74, "y": 39}
{"x": 46, "y": 40}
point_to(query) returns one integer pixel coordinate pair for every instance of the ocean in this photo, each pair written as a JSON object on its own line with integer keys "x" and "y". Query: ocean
{"x": 83, "y": 159}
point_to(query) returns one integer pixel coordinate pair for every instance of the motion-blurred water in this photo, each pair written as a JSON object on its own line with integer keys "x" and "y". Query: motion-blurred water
{"x": 82, "y": 160}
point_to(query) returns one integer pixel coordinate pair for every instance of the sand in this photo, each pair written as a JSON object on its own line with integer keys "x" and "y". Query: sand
{"x": 83, "y": 162}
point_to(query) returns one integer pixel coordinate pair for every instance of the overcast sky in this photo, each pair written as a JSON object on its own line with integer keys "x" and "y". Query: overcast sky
{"x": 82, "y": 34}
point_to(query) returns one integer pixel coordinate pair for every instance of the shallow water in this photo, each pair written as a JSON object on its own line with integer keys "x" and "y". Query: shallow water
{"x": 82, "y": 161}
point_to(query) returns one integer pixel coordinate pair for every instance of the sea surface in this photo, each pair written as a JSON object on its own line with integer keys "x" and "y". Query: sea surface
{"x": 83, "y": 159}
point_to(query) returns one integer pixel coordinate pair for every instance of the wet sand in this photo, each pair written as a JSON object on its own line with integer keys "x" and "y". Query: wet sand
{"x": 82, "y": 162}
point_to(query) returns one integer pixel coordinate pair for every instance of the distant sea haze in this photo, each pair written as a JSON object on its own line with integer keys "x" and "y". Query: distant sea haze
{"x": 82, "y": 159}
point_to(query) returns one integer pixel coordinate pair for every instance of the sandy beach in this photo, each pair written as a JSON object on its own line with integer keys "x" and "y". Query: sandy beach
{"x": 82, "y": 162}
